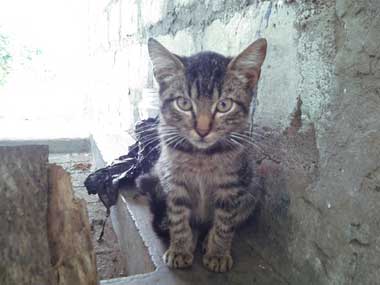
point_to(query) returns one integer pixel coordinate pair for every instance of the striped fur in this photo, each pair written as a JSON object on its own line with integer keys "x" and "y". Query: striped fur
{"x": 203, "y": 175}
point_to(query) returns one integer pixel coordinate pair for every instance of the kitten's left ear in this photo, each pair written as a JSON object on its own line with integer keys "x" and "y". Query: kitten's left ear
{"x": 247, "y": 64}
{"x": 165, "y": 64}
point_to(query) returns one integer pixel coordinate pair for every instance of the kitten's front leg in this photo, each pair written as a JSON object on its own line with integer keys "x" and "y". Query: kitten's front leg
{"x": 231, "y": 209}
{"x": 217, "y": 244}
{"x": 180, "y": 252}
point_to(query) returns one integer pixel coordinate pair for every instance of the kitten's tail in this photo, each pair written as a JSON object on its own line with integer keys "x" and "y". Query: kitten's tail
{"x": 150, "y": 185}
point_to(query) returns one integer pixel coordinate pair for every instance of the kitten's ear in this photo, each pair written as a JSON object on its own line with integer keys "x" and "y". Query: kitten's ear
{"x": 165, "y": 64}
{"x": 247, "y": 64}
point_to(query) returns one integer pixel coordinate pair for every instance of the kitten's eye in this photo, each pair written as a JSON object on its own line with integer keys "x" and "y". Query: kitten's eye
{"x": 224, "y": 105}
{"x": 184, "y": 104}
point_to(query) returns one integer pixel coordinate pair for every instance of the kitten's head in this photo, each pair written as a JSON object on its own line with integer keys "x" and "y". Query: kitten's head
{"x": 205, "y": 98}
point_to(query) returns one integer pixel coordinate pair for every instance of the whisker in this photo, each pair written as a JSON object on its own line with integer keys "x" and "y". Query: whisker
{"x": 154, "y": 135}
{"x": 150, "y": 136}
{"x": 180, "y": 140}
{"x": 250, "y": 138}
{"x": 233, "y": 141}
{"x": 249, "y": 141}
{"x": 145, "y": 143}
{"x": 145, "y": 131}
{"x": 253, "y": 133}
{"x": 149, "y": 139}
{"x": 171, "y": 140}
{"x": 168, "y": 133}
{"x": 150, "y": 142}
{"x": 155, "y": 129}
{"x": 154, "y": 148}
{"x": 256, "y": 135}
{"x": 236, "y": 142}
{"x": 165, "y": 137}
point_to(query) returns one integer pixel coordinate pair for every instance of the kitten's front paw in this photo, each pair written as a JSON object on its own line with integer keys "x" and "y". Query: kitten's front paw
{"x": 178, "y": 259}
{"x": 218, "y": 263}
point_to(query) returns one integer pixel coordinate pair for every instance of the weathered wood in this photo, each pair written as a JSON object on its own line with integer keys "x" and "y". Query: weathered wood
{"x": 72, "y": 252}
{"x": 45, "y": 233}
{"x": 24, "y": 248}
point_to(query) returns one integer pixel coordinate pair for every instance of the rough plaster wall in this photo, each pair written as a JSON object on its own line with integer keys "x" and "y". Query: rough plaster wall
{"x": 321, "y": 225}
{"x": 232, "y": 33}
{"x": 330, "y": 234}
{"x": 121, "y": 30}
{"x": 349, "y": 148}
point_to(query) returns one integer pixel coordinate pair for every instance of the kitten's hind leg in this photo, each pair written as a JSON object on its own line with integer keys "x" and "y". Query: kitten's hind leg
{"x": 150, "y": 185}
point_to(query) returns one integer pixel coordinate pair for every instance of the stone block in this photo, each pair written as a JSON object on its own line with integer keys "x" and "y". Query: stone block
{"x": 45, "y": 231}
{"x": 24, "y": 254}
{"x": 71, "y": 249}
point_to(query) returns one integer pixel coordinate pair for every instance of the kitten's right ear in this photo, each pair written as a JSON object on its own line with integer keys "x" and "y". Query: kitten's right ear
{"x": 165, "y": 64}
{"x": 247, "y": 65}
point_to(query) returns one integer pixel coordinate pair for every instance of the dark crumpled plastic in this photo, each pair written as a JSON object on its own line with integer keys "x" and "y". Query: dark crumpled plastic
{"x": 124, "y": 170}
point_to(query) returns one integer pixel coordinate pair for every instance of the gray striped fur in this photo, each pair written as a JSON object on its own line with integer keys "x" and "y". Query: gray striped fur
{"x": 205, "y": 180}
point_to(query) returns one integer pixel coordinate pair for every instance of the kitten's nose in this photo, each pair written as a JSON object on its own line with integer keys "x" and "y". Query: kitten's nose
{"x": 203, "y": 126}
{"x": 202, "y": 132}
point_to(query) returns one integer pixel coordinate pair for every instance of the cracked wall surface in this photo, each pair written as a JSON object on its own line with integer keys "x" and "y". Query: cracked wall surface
{"x": 319, "y": 222}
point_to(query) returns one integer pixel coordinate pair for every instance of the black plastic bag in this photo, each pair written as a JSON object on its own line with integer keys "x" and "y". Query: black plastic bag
{"x": 124, "y": 170}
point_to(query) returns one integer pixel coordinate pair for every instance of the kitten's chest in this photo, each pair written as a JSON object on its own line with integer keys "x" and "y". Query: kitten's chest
{"x": 202, "y": 167}
{"x": 202, "y": 176}
{"x": 204, "y": 206}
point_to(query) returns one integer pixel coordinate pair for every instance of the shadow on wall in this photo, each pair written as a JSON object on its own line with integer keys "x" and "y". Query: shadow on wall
{"x": 288, "y": 161}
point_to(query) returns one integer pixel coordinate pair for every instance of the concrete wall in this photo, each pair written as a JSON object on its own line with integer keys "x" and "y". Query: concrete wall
{"x": 185, "y": 27}
{"x": 321, "y": 214}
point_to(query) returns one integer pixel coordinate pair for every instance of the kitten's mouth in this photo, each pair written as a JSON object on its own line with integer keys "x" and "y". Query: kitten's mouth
{"x": 204, "y": 142}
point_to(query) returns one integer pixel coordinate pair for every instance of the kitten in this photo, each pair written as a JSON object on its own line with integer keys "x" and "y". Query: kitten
{"x": 203, "y": 175}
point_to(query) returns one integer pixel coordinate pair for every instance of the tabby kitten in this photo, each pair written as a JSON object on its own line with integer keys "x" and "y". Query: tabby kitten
{"x": 203, "y": 175}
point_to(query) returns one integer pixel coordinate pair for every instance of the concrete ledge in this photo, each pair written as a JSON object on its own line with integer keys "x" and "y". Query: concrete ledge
{"x": 63, "y": 145}
{"x": 143, "y": 250}
{"x": 106, "y": 148}
{"x": 249, "y": 268}
{"x": 260, "y": 249}
{"x": 135, "y": 250}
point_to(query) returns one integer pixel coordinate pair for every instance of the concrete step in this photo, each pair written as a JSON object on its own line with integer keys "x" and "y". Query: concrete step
{"x": 144, "y": 250}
